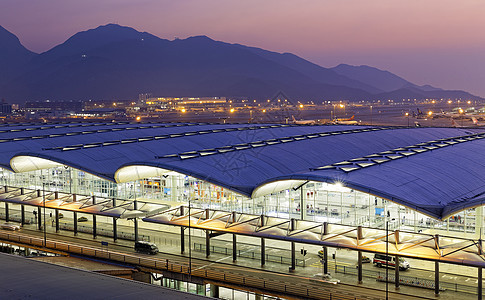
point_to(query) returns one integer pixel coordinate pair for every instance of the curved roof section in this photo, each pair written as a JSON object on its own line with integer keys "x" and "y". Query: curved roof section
{"x": 436, "y": 180}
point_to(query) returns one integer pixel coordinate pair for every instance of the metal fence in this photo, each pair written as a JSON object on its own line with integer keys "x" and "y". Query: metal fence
{"x": 104, "y": 232}
{"x": 16, "y": 218}
{"x": 250, "y": 254}
{"x": 408, "y": 280}
{"x": 253, "y": 281}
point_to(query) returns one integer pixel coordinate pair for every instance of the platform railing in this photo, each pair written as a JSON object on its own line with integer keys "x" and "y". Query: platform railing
{"x": 295, "y": 289}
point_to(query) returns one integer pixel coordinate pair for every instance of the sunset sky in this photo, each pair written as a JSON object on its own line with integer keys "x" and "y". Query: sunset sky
{"x": 437, "y": 42}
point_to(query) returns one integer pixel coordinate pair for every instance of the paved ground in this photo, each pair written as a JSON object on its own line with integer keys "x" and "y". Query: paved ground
{"x": 169, "y": 243}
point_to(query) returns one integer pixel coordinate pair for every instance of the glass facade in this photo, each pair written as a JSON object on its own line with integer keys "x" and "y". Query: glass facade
{"x": 315, "y": 201}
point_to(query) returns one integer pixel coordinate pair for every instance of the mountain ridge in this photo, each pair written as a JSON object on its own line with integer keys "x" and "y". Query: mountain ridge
{"x": 118, "y": 62}
{"x": 12, "y": 54}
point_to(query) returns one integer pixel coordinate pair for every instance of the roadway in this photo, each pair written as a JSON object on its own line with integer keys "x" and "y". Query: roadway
{"x": 276, "y": 273}
{"x": 272, "y": 279}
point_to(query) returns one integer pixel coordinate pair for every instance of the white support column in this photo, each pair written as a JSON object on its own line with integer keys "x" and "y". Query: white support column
{"x": 303, "y": 203}
{"x": 478, "y": 221}
{"x": 74, "y": 179}
{"x": 173, "y": 187}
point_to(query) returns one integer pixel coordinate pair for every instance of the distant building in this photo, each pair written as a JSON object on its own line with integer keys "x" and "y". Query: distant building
{"x": 5, "y": 108}
{"x": 74, "y": 106}
{"x": 143, "y": 98}
{"x": 115, "y": 104}
{"x": 186, "y": 102}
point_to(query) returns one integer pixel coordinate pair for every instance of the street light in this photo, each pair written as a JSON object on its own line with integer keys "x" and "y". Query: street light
{"x": 387, "y": 258}
{"x": 43, "y": 200}
{"x": 371, "y": 115}
{"x": 461, "y": 111}
{"x": 407, "y": 116}
{"x": 190, "y": 246}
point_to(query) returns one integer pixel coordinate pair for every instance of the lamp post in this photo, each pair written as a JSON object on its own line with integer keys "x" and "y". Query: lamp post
{"x": 387, "y": 259}
{"x": 135, "y": 206}
{"x": 43, "y": 200}
{"x": 371, "y": 115}
{"x": 190, "y": 246}
{"x": 461, "y": 111}
{"x": 407, "y": 116}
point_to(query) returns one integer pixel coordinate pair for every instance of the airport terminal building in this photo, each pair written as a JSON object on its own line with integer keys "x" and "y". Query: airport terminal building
{"x": 415, "y": 180}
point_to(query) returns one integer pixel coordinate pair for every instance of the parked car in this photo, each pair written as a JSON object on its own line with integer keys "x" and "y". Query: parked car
{"x": 10, "y": 226}
{"x": 146, "y": 247}
{"x": 82, "y": 219}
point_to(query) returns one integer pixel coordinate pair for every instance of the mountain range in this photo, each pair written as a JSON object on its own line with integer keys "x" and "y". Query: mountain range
{"x": 118, "y": 62}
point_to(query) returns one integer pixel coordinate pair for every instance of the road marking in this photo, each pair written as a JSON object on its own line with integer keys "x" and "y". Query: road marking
{"x": 221, "y": 259}
{"x": 330, "y": 265}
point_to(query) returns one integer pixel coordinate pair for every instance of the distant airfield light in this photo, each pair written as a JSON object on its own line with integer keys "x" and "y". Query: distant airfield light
{"x": 231, "y": 110}
{"x": 138, "y": 118}
{"x": 430, "y": 113}
{"x": 461, "y": 110}
{"x": 406, "y": 114}
{"x": 301, "y": 105}
{"x": 469, "y": 102}
{"x": 264, "y": 110}
{"x": 449, "y": 101}
{"x": 114, "y": 103}
{"x": 183, "y": 110}
{"x": 433, "y": 102}
{"x": 342, "y": 106}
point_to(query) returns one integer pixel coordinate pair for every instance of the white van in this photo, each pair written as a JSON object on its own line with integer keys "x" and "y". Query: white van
{"x": 382, "y": 260}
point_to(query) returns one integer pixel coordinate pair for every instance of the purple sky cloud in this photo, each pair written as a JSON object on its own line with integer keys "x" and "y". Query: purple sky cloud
{"x": 438, "y": 42}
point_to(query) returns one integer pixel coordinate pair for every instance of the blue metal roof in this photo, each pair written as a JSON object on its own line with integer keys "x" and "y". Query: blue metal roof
{"x": 434, "y": 170}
